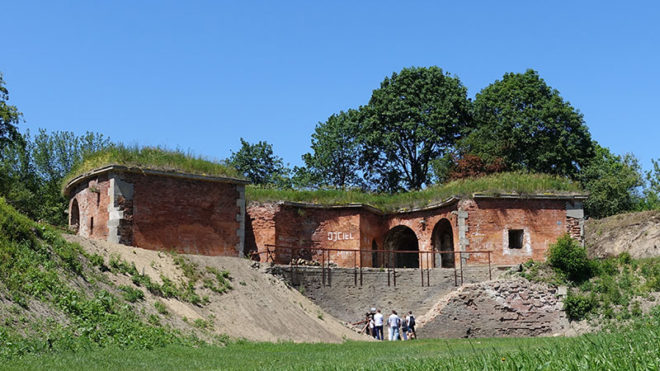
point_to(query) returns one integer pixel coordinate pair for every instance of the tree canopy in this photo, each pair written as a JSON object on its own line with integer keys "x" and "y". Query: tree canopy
{"x": 527, "y": 124}
{"x": 414, "y": 117}
{"x": 9, "y": 117}
{"x": 612, "y": 182}
{"x": 259, "y": 165}
{"x": 336, "y": 151}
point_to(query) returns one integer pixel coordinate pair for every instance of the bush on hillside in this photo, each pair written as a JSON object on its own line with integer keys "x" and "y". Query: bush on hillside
{"x": 578, "y": 306}
{"x": 567, "y": 256}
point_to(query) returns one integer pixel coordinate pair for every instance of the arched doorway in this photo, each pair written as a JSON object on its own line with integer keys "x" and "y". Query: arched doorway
{"x": 74, "y": 216}
{"x": 402, "y": 238}
{"x": 442, "y": 239}
{"x": 375, "y": 262}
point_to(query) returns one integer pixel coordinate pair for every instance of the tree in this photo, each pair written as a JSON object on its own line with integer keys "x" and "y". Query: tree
{"x": 414, "y": 117}
{"x": 652, "y": 191}
{"x": 527, "y": 124}
{"x": 35, "y": 166}
{"x": 9, "y": 117}
{"x": 612, "y": 182}
{"x": 336, "y": 151}
{"x": 258, "y": 163}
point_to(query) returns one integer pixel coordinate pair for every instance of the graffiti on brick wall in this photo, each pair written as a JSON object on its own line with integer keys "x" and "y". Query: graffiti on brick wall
{"x": 340, "y": 236}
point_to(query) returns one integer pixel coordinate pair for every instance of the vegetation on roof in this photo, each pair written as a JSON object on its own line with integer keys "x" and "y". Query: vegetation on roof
{"x": 502, "y": 183}
{"x": 155, "y": 158}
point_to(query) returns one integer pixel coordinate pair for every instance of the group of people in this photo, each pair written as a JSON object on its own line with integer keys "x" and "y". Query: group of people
{"x": 398, "y": 328}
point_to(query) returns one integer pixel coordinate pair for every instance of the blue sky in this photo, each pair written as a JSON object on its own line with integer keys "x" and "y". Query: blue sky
{"x": 198, "y": 75}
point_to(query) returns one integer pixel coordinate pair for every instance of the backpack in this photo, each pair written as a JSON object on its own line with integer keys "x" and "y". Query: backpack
{"x": 398, "y": 322}
{"x": 411, "y": 321}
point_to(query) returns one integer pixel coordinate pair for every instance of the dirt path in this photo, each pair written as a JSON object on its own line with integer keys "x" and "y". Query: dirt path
{"x": 260, "y": 307}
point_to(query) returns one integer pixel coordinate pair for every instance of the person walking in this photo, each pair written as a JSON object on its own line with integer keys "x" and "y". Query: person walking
{"x": 403, "y": 332}
{"x": 394, "y": 323}
{"x": 410, "y": 319}
{"x": 378, "y": 324}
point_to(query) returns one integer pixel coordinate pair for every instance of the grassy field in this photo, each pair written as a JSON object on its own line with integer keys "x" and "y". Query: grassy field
{"x": 635, "y": 348}
{"x": 518, "y": 183}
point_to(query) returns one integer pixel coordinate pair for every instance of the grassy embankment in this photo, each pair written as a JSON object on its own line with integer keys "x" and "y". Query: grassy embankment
{"x": 55, "y": 297}
{"x": 633, "y": 348}
{"x": 518, "y": 183}
{"x": 177, "y": 161}
{"x": 152, "y": 158}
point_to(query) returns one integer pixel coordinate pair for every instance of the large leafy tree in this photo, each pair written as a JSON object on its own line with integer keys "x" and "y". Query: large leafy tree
{"x": 612, "y": 182}
{"x": 528, "y": 125}
{"x": 414, "y": 117}
{"x": 259, "y": 164}
{"x": 9, "y": 117}
{"x": 336, "y": 151}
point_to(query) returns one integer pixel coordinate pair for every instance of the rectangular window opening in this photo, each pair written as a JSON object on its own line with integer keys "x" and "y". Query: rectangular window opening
{"x": 98, "y": 199}
{"x": 91, "y": 225}
{"x": 515, "y": 238}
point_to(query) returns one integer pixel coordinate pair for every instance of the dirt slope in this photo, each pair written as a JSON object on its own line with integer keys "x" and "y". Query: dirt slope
{"x": 635, "y": 233}
{"x": 260, "y": 307}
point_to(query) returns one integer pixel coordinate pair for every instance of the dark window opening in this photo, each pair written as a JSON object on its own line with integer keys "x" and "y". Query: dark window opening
{"x": 515, "y": 238}
{"x": 91, "y": 225}
{"x": 98, "y": 199}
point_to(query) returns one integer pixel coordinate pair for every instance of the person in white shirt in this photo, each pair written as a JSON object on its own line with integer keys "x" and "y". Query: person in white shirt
{"x": 378, "y": 325}
{"x": 394, "y": 322}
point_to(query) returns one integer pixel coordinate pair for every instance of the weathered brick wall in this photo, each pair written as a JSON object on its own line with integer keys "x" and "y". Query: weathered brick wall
{"x": 476, "y": 224}
{"x": 189, "y": 216}
{"x": 92, "y": 198}
{"x": 489, "y": 220}
{"x": 260, "y": 228}
{"x": 331, "y": 228}
{"x": 423, "y": 223}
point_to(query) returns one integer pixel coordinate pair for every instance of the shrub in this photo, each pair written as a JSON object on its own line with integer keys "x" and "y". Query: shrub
{"x": 577, "y": 306}
{"x": 130, "y": 294}
{"x": 570, "y": 258}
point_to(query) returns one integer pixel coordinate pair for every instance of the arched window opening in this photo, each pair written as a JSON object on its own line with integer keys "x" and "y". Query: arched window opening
{"x": 402, "y": 238}
{"x": 442, "y": 240}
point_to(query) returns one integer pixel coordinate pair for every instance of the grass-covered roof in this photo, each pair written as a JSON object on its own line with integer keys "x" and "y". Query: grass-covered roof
{"x": 498, "y": 184}
{"x": 152, "y": 158}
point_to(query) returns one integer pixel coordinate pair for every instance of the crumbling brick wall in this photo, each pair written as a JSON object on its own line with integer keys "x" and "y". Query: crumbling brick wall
{"x": 92, "y": 199}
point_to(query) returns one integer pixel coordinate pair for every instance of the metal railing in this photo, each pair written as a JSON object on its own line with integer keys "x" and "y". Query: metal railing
{"x": 426, "y": 257}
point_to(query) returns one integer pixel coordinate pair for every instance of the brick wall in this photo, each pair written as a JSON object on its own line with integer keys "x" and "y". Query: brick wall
{"x": 159, "y": 212}
{"x": 476, "y": 224}
{"x": 92, "y": 198}
{"x": 189, "y": 216}
{"x": 489, "y": 221}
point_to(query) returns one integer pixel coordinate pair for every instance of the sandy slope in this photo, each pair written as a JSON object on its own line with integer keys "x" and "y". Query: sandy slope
{"x": 635, "y": 233}
{"x": 260, "y": 307}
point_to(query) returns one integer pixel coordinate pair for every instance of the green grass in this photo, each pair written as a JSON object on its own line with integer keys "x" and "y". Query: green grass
{"x": 634, "y": 348}
{"x": 152, "y": 158}
{"x": 38, "y": 265}
{"x": 518, "y": 183}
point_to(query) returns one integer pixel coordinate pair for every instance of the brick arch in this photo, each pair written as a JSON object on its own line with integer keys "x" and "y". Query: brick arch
{"x": 402, "y": 238}
{"x": 442, "y": 239}
{"x": 74, "y": 216}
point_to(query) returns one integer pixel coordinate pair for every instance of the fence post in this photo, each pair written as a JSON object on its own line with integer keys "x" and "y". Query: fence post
{"x": 421, "y": 271}
{"x": 428, "y": 270}
{"x": 323, "y": 267}
{"x": 490, "y": 275}
{"x": 461, "y": 259}
{"x": 394, "y": 270}
{"x": 355, "y": 270}
{"x": 360, "y": 267}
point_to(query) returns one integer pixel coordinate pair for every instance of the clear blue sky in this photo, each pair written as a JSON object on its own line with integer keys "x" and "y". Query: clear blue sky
{"x": 199, "y": 75}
